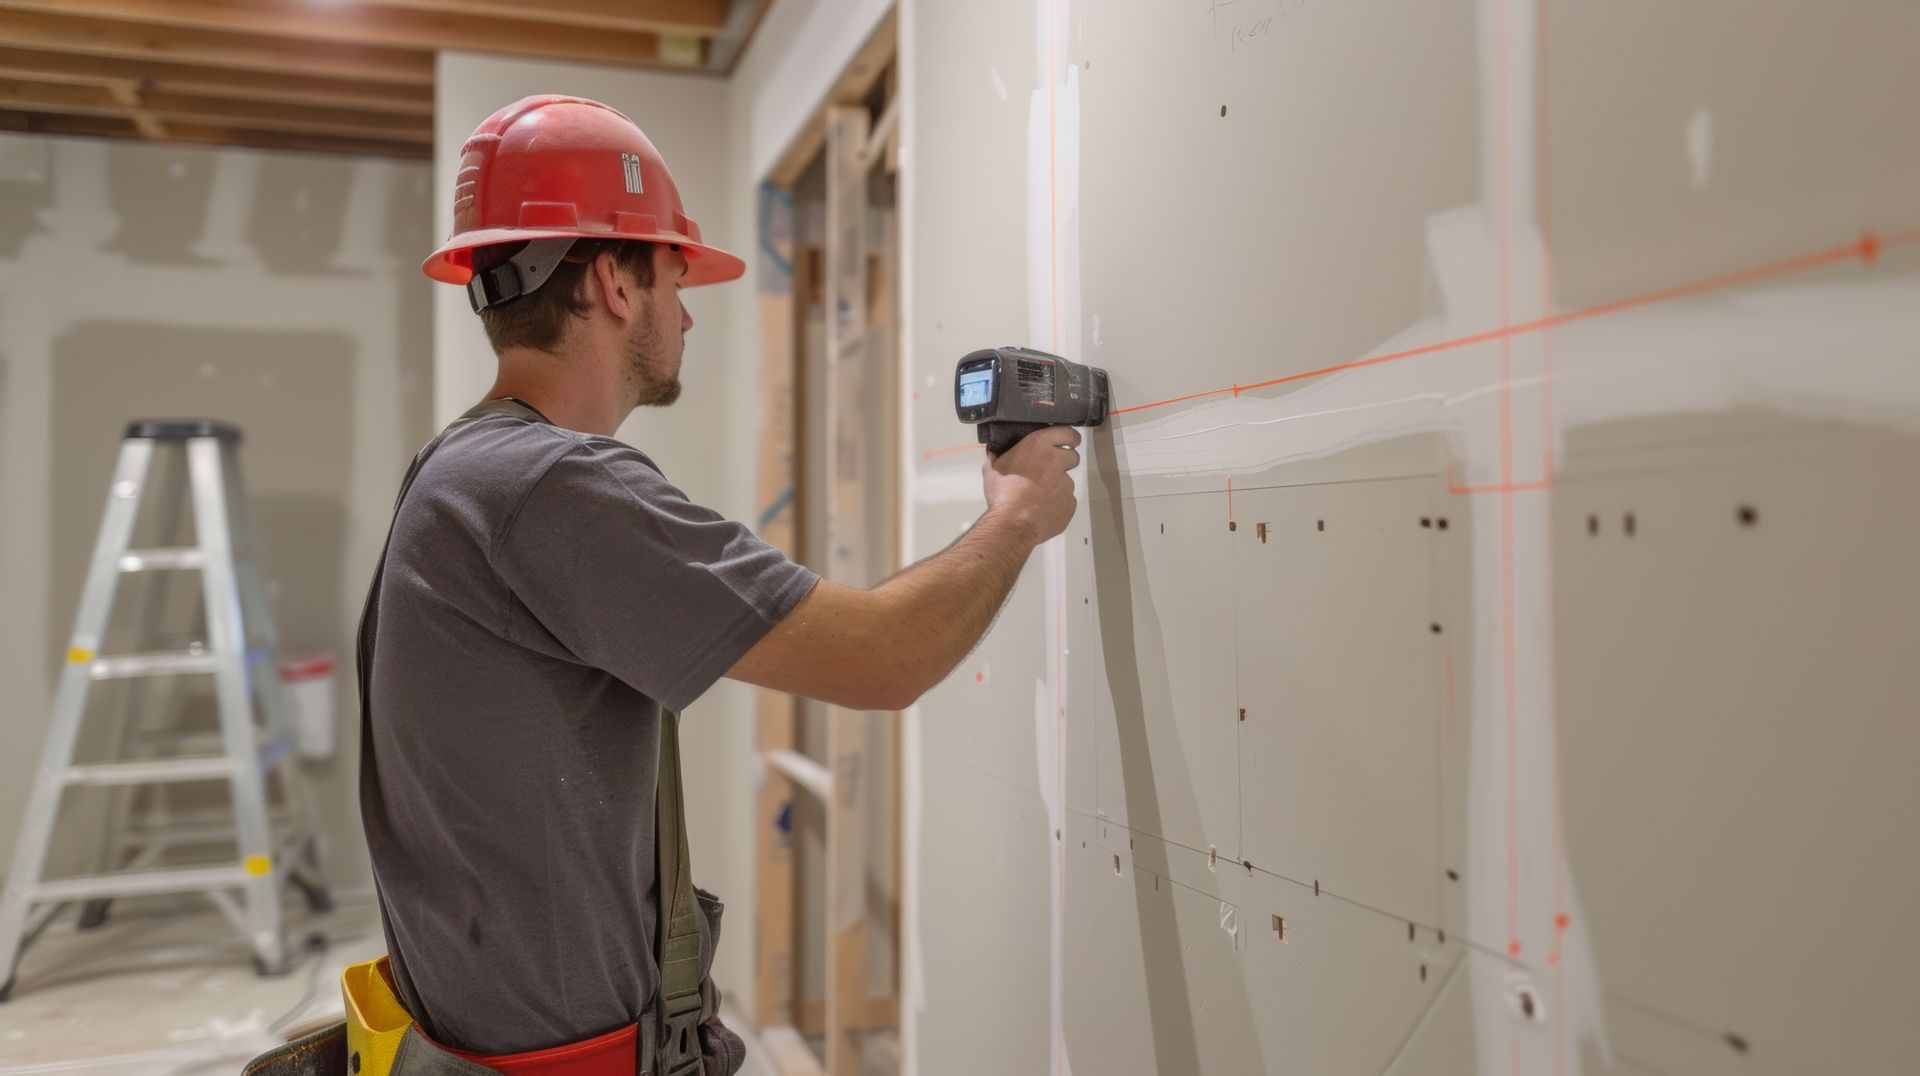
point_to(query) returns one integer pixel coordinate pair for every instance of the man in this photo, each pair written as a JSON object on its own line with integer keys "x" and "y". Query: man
{"x": 547, "y": 592}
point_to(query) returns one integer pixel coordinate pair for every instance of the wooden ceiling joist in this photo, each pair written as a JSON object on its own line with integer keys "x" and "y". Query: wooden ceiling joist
{"x": 315, "y": 74}
{"x": 700, "y": 18}
{"x": 364, "y": 25}
{"x": 133, "y": 103}
{"x": 247, "y": 52}
{"x": 209, "y": 135}
{"x": 145, "y": 122}
{"x": 215, "y": 81}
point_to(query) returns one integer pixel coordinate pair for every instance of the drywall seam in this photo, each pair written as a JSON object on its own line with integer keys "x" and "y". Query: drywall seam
{"x": 1053, "y": 302}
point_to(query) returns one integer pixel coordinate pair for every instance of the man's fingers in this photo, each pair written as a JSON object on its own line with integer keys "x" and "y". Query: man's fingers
{"x": 1063, "y": 436}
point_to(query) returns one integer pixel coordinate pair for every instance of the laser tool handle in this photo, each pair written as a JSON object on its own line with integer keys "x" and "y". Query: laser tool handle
{"x": 1001, "y": 436}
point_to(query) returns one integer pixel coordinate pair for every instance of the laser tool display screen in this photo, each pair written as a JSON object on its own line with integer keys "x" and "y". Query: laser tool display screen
{"x": 976, "y": 387}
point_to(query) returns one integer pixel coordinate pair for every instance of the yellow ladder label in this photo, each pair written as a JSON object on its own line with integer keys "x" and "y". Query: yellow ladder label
{"x": 259, "y": 865}
{"x": 79, "y": 655}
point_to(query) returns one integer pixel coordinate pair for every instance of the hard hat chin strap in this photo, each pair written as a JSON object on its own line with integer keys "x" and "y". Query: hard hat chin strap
{"x": 519, "y": 275}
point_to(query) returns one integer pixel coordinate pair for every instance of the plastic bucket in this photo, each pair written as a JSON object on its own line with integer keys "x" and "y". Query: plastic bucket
{"x": 308, "y": 686}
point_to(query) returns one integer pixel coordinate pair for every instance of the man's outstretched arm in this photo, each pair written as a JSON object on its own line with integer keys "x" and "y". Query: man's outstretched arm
{"x": 881, "y": 649}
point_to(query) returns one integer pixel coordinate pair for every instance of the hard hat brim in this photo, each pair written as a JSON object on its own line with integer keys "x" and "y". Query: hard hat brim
{"x": 453, "y": 262}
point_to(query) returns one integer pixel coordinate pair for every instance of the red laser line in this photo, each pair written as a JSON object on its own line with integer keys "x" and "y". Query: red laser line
{"x": 1178, "y": 399}
{"x": 1859, "y": 248}
{"x": 1543, "y": 178}
{"x": 1559, "y": 1018}
{"x": 1867, "y": 248}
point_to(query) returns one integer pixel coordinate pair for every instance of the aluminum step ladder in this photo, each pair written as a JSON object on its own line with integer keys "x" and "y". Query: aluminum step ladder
{"x": 239, "y": 652}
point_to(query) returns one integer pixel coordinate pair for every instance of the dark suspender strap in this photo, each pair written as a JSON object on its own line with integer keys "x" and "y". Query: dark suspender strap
{"x": 679, "y": 1011}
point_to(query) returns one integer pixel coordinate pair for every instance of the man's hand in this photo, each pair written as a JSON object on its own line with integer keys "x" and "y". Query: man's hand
{"x": 1030, "y": 482}
{"x": 880, "y": 649}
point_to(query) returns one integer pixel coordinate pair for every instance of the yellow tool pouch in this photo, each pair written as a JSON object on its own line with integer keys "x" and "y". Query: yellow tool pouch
{"x": 376, "y": 1021}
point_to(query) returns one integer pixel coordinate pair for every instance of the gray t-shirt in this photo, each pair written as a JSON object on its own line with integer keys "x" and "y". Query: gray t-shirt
{"x": 545, "y": 593}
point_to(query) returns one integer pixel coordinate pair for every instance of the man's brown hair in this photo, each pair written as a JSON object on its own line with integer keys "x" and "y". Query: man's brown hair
{"x": 539, "y": 320}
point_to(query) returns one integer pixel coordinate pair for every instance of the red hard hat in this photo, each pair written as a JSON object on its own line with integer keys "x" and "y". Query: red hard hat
{"x": 553, "y": 167}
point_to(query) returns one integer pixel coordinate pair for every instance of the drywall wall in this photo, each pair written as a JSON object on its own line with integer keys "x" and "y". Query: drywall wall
{"x": 1483, "y": 644}
{"x": 702, "y": 442}
{"x": 274, "y": 290}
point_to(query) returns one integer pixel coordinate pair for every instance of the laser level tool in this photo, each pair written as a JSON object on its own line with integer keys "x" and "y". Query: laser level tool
{"x": 1012, "y": 391}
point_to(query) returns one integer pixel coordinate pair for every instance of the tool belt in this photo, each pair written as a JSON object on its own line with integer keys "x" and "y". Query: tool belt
{"x": 678, "y": 1034}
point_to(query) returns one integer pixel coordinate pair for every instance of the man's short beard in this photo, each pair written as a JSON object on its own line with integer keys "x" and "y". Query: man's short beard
{"x": 650, "y": 389}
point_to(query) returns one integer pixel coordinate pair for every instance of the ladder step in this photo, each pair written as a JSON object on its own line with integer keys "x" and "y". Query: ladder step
{"x": 128, "y": 666}
{"x": 153, "y": 771}
{"x": 140, "y": 883}
{"x": 154, "y": 560}
{"x": 150, "y": 771}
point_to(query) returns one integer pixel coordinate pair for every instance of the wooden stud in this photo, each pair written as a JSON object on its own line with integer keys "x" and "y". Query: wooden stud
{"x": 853, "y": 86}
{"x": 875, "y": 1014}
{"x": 850, "y": 558}
{"x": 775, "y": 966}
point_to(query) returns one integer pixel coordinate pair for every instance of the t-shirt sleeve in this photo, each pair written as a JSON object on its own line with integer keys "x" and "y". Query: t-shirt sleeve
{"x": 633, "y": 578}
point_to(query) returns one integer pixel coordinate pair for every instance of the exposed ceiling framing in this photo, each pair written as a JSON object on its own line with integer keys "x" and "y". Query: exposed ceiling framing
{"x": 329, "y": 75}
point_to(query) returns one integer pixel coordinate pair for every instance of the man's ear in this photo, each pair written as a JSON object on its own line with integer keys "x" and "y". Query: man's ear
{"x": 615, "y": 286}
